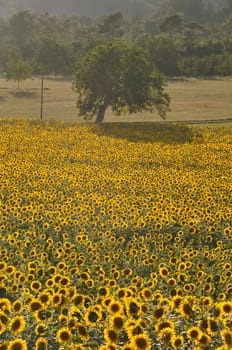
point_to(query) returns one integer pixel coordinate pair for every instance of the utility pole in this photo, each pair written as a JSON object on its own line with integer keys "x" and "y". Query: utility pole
{"x": 42, "y": 97}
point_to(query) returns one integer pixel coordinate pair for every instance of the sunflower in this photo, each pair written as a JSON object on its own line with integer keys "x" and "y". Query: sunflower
{"x": 5, "y": 305}
{"x": 203, "y": 341}
{"x": 109, "y": 347}
{"x": 164, "y": 324}
{"x": 166, "y": 335}
{"x": 203, "y": 324}
{"x": 158, "y": 312}
{"x": 44, "y": 298}
{"x": 175, "y": 302}
{"x": 82, "y": 332}
{"x": 103, "y": 291}
{"x": 128, "y": 347}
{"x": 121, "y": 293}
{"x": 227, "y": 338}
{"x": 40, "y": 329}
{"x": 177, "y": 341}
{"x": 41, "y": 344}
{"x": 43, "y": 315}
{"x": 72, "y": 323}
{"x": 56, "y": 300}
{"x": 115, "y": 307}
{"x": 17, "y": 344}
{"x": 3, "y": 346}
{"x": 134, "y": 330}
{"x": 76, "y": 347}
{"x": 2, "y": 328}
{"x": 17, "y": 306}
{"x": 3, "y": 318}
{"x": 3, "y": 266}
{"x": 110, "y": 335}
{"x": 112, "y": 283}
{"x": 146, "y": 294}
{"x": 194, "y": 333}
{"x": 63, "y": 320}
{"x": 218, "y": 315}
{"x": 64, "y": 335}
{"x": 34, "y": 305}
{"x": 141, "y": 342}
{"x": 222, "y": 296}
{"x": 226, "y": 307}
{"x": 49, "y": 283}
{"x": 117, "y": 322}
{"x": 171, "y": 282}
{"x": 92, "y": 317}
{"x": 207, "y": 301}
{"x": 64, "y": 282}
{"x": 213, "y": 327}
{"x": 164, "y": 272}
{"x": 227, "y": 323}
{"x": 132, "y": 307}
{"x": 185, "y": 309}
{"x": 127, "y": 272}
{"x": 77, "y": 300}
{"x": 35, "y": 286}
{"x": 17, "y": 325}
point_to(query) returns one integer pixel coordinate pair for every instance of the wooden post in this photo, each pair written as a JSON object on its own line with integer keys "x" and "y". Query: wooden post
{"x": 42, "y": 97}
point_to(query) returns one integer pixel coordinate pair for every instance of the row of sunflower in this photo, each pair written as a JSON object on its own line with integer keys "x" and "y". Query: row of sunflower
{"x": 107, "y": 243}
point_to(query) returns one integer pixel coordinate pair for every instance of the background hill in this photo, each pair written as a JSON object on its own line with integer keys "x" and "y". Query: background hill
{"x": 96, "y": 8}
{"x": 89, "y": 8}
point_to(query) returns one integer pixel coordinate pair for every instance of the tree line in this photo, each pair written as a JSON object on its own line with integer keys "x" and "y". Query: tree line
{"x": 117, "y": 61}
{"x": 182, "y": 37}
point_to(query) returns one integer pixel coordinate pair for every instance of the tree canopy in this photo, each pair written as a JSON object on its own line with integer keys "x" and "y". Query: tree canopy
{"x": 182, "y": 38}
{"x": 18, "y": 71}
{"x": 113, "y": 74}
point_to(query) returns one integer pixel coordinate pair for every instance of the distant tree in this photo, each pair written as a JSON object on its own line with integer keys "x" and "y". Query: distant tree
{"x": 112, "y": 25}
{"x": 8, "y": 53}
{"x": 172, "y": 24}
{"x": 212, "y": 65}
{"x": 53, "y": 57}
{"x": 227, "y": 25}
{"x": 150, "y": 26}
{"x": 119, "y": 76}
{"x": 19, "y": 71}
{"x": 192, "y": 9}
{"x": 192, "y": 35}
{"x": 21, "y": 28}
{"x": 163, "y": 53}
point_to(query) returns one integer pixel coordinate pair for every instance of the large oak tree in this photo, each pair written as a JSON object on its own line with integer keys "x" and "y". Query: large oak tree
{"x": 119, "y": 76}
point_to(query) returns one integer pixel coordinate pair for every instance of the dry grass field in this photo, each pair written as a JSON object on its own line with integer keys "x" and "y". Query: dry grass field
{"x": 192, "y": 99}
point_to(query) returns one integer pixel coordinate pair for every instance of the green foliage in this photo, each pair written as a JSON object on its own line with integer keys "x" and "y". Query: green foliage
{"x": 176, "y": 31}
{"x": 212, "y": 65}
{"x": 112, "y": 25}
{"x": 163, "y": 53}
{"x": 18, "y": 71}
{"x": 192, "y": 9}
{"x": 171, "y": 24}
{"x": 119, "y": 76}
{"x": 53, "y": 57}
{"x": 8, "y": 53}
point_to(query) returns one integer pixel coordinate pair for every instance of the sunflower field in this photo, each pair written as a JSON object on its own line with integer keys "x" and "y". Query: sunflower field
{"x": 111, "y": 241}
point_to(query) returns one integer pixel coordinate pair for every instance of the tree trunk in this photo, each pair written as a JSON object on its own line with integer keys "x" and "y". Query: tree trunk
{"x": 101, "y": 112}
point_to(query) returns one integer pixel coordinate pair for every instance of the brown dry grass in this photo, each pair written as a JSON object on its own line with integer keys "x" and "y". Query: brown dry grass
{"x": 192, "y": 99}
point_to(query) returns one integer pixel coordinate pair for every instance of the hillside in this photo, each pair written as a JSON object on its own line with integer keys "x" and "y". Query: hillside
{"x": 89, "y": 8}
{"x": 96, "y": 8}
